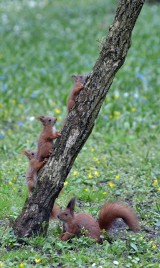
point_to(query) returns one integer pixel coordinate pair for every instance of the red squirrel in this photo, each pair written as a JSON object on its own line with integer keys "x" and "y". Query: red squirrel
{"x": 34, "y": 166}
{"x": 75, "y": 223}
{"x": 78, "y": 85}
{"x": 48, "y": 134}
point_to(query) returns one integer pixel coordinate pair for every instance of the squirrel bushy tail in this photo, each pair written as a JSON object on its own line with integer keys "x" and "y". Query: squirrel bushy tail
{"x": 111, "y": 211}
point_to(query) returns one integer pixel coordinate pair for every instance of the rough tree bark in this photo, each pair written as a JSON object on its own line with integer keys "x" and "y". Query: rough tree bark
{"x": 34, "y": 217}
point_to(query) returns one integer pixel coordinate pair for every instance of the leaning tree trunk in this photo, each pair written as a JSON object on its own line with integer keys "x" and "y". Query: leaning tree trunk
{"x": 34, "y": 217}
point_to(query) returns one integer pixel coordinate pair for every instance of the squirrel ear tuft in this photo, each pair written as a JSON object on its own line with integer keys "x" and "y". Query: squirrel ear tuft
{"x": 23, "y": 152}
{"x": 79, "y": 78}
{"x": 71, "y": 205}
{"x": 76, "y": 77}
{"x": 40, "y": 118}
{"x": 26, "y": 153}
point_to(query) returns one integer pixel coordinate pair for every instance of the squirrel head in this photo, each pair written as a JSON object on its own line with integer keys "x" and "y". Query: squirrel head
{"x": 79, "y": 78}
{"x": 30, "y": 154}
{"x": 47, "y": 120}
{"x": 67, "y": 214}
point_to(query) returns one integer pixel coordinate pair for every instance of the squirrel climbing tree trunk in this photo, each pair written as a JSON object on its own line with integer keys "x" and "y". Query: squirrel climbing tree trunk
{"x": 79, "y": 123}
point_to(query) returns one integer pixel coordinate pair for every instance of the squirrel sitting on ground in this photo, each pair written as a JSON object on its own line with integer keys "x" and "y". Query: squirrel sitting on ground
{"x": 31, "y": 177}
{"x": 78, "y": 85}
{"x": 34, "y": 167}
{"x": 48, "y": 134}
{"x": 75, "y": 223}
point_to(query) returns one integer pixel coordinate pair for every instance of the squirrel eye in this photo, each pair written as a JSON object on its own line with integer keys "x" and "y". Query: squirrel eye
{"x": 32, "y": 153}
{"x": 65, "y": 214}
{"x": 49, "y": 120}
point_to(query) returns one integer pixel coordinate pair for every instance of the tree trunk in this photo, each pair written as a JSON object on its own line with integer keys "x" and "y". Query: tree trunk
{"x": 34, "y": 217}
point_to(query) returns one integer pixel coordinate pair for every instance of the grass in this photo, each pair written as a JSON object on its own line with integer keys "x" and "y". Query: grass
{"x": 42, "y": 44}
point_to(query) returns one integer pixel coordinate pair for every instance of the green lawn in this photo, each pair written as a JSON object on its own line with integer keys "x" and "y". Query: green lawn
{"x": 42, "y": 44}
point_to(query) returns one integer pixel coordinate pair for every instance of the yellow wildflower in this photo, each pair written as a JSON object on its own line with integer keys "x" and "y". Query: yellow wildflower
{"x": 86, "y": 190}
{"x": 13, "y": 101}
{"x": 117, "y": 177}
{"x": 90, "y": 168}
{"x": 75, "y": 173}
{"x": 116, "y": 97}
{"x": 37, "y": 260}
{"x": 111, "y": 184}
{"x": 65, "y": 183}
{"x": 21, "y": 106}
{"x": 110, "y": 116}
{"x": 90, "y": 176}
{"x": 159, "y": 189}
{"x": 155, "y": 182}
{"x": 21, "y": 265}
{"x": 10, "y": 183}
{"x": 57, "y": 111}
{"x": 96, "y": 173}
{"x": 96, "y": 160}
{"x": 92, "y": 150}
{"x": 117, "y": 113}
{"x": 133, "y": 109}
{"x": 154, "y": 246}
{"x": 1, "y": 264}
{"x": 104, "y": 193}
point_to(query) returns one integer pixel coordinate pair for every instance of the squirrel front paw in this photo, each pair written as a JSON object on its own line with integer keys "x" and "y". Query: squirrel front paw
{"x": 50, "y": 152}
{"x": 66, "y": 236}
{"x": 58, "y": 134}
